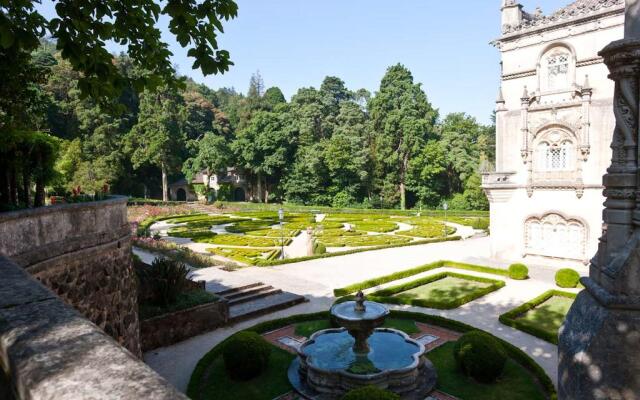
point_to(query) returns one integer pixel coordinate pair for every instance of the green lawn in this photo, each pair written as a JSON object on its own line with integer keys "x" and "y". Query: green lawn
{"x": 514, "y": 384}
{"x": 549, "y": 315}
{"x": 446, "y": 290}
{"x": 442, "y": 289}
{"x": 270, "y": 384}
{"x": 306, "y": 329}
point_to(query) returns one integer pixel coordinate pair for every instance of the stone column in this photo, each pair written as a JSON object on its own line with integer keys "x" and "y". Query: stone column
{"x": 599, "y": 345}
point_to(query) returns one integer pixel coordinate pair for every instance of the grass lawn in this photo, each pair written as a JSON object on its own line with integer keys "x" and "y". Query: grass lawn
{"x": 306, "y": 329}
{"x": 270, "y": 384}
{"x": 442, "y": 289}
{"x": 446, "y": 290}
{"x": 549, "y": 315}
{"x": 514, "y": 384}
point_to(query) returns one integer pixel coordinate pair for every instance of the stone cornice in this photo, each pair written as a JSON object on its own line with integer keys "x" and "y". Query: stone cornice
{"x": 555, "y": 21}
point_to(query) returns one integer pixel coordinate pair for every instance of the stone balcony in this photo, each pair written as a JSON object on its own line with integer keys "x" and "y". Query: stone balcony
{"x": 499, "y": 186}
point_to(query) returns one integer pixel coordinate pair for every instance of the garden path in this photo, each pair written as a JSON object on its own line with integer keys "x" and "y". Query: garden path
{"x": 316, "y": 279}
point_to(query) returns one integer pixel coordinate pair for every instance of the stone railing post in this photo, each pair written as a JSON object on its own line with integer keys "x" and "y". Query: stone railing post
{"x": 599, "y": 344}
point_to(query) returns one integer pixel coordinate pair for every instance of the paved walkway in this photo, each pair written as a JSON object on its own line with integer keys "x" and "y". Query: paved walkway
{"x": 316, "y": 280}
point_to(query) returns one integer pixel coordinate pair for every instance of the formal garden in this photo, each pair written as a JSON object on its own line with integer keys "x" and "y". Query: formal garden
{"x": 261, "y": 238}
{"x": 470, "y": 364}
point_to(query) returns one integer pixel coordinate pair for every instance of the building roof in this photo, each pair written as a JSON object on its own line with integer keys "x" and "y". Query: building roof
{"x": 579, "y": 9}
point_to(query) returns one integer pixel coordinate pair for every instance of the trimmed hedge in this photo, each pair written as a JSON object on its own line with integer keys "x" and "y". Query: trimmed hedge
{"x": 480, "y": 356}
{"x": 387, "y": 295}
{"x": 518, "y": 271}
{"x": 370, "y": 393}
{"x": 567, "y": 278}
{"x": 415, "y": 271}
{"x": 510, "y": 318}
{"x": 353, "y": 251}
{"x": 200, "y": 372}
{"x": 145, "y": 224}
{"x": 246, "y": 355}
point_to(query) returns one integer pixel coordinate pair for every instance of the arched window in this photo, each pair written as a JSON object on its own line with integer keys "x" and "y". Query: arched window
{"x": 555, "y": 152}
{"x": 558, "y": 70}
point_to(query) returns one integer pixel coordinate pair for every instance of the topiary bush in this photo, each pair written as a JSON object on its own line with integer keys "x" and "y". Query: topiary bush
{"x": 480, "y": 356}
{"x": 319, "y": 248}
{"x": 518, "y": 271}
{"x": 370, "y": 393}
{"x": 567, "y": 278}
{"x": 246, "y": 355}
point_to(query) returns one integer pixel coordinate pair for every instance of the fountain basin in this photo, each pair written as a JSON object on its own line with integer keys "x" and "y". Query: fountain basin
{"x": 327, "y": 365}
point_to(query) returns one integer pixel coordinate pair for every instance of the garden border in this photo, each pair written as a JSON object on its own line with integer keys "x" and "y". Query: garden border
{"x": 200, "y": 370}
{"x": 510, "y": 317}
{"x": 386, "y": 295}
{"x": 344, "y": 253}
{"x": 415, "y": 271}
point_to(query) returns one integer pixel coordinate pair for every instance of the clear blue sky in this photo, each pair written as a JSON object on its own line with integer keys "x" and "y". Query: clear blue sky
{"x": 296, "y": 43}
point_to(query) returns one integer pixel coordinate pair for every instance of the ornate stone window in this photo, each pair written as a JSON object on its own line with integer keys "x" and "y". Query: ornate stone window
{"x": 555, "y": 155}
{"x": 553, "y": 235}
{"x": 558, "y": 70}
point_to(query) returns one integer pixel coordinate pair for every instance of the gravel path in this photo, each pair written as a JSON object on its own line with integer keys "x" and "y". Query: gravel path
{"x": 316, "y": 280}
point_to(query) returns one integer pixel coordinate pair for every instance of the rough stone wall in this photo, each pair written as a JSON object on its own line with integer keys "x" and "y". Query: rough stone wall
{"x": 49, "y": 351}
{"x": 82, "y": 252}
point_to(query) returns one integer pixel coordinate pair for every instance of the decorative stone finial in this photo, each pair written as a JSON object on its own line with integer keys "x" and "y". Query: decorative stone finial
{"x": 632, "y": 20}
{"x": 525, "y": 93}
{"x": 500, "y": 98}
{"x": 586, "y": 82}
{"x": 360, "y": 302}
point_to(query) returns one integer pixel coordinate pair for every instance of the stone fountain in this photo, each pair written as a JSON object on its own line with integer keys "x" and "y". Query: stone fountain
{"x": 360, "y": 353}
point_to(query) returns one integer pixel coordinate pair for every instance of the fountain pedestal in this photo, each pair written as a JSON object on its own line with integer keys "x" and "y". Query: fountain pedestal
{"x": 334, "y": 361}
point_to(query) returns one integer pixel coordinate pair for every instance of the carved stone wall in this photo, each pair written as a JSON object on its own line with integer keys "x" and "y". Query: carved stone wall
{"x": 82, "y": 252}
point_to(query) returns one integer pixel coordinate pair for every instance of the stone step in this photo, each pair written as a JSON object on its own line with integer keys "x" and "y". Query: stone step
{"x": 262, "y": 306}
{"x": 236, "y": 289}
{"x": 248, "y": 291}
{"x": 264, "y": 292}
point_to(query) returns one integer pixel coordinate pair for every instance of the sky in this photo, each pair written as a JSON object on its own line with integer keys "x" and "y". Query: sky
{"x": 296, "y": 43}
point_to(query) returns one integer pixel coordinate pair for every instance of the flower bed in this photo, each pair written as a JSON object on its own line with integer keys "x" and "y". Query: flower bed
{"x": 362, "y": 240}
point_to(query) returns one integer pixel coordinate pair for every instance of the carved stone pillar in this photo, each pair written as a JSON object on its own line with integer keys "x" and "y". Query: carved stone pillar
{"x": 599, "y": 346}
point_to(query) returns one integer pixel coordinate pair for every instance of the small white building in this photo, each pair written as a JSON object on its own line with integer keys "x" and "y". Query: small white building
{"x": 554, "y": 125}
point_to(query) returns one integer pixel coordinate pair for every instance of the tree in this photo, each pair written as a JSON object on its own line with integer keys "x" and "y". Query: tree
{"x": 214, "y": 155}
{"x": 460, "y": 135}
{"x": 157, "y": 138}
{"x": 81, "y": 30}
{"x": 273, "y": 96}
{"x": 264, "y": 148}
{"x": 403, "y": 120}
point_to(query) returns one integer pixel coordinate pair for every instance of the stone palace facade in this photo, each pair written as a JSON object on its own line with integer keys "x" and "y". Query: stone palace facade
{"x": 554, "y": 124}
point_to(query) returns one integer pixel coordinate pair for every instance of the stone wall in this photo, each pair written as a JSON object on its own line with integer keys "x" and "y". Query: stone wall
{"x": 82, "y": 252}
{"x": 167, "y": 329}
{"x": 49, "y": 351}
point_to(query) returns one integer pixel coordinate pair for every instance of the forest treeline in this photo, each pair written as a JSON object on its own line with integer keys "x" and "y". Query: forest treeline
{"x": 328, "y": 145}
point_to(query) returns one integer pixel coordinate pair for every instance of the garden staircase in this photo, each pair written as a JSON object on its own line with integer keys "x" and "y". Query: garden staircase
{"x": 257, "y": 299}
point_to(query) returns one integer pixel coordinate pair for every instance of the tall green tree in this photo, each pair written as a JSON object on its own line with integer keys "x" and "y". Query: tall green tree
{"x": 264, "y": 148}
{"x": 403, "y": 120}
{"x": 157, "y": 138}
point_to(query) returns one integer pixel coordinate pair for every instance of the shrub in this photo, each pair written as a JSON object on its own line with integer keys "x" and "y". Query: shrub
{"x": 319, "y": 248}
{"x": 165, "y": 279}
{"x": 246, "y": 355}
{"x": 518, "y": 271}
{"x": 370, "y": 393}
{"x": 480, "y": 356}
{"x": 218, "y": 204}
{"x": 567, "y": 278}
